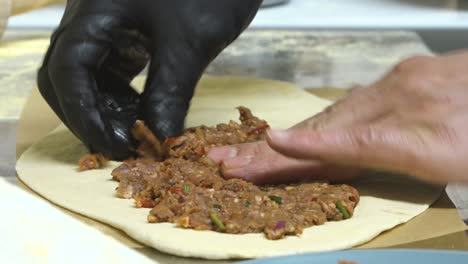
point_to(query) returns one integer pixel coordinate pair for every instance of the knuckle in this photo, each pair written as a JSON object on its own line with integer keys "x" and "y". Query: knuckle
{"x": 446, "y": 135}
{"x": 357, "y": 143}
{"x": 412, "y": 82}
{"x": 415, "y": 146}
{"x": 413, "y": 72}
{"x": 71, "y": 53}
{"x": 412, "y": 63}
{"x": 366, "y": 137}
{"x": 413, "y": 86}
{"x": 210, "y": 29}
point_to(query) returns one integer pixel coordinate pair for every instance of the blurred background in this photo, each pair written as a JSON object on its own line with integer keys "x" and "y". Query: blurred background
{"x": 442, "y": 24}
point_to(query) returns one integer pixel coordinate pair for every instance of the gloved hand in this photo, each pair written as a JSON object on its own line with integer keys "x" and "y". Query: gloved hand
{"x": 100, "y": 46}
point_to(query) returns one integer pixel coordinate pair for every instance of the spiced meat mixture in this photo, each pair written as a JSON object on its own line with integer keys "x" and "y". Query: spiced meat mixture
{"x": 183, "y": 186}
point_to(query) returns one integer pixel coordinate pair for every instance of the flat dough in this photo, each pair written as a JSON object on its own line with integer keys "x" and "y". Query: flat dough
{"x": 49, "y": 168}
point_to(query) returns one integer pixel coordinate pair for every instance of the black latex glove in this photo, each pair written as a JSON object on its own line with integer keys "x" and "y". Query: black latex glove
{"x": 101, "y": 45}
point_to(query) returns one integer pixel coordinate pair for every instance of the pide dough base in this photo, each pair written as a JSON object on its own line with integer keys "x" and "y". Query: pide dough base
{"x": 49, "y": 167}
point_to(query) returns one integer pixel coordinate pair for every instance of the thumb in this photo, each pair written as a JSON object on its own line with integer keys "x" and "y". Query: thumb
{"x": 373, "y": 147}
{"x": 173, "y": 75}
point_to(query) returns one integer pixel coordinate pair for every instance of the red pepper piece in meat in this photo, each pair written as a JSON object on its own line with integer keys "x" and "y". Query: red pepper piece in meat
{"x": 170, "y": 140}
{"x": 176, "y": 190}
{"x": 92, "y": 162}
{"x": 145, "y": 203}
{"x": 258, "y": 130}
{"x": 200, "y": 151}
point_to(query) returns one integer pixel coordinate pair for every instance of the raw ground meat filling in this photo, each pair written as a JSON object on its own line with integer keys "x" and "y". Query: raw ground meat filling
{"x": 184, "y": 187}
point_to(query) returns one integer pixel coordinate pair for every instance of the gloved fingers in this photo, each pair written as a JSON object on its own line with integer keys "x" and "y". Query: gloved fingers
{"x": 47, "y": 91}
{"x": 45, "y": 85}
{"x": 129, "y": 54}
{"x": 172, "y": 77}
{"x": 182, "y": 49}
{"x": 74, "y": 62}
{"x": 127, "y": 57}
{"x": 119, "y": 103}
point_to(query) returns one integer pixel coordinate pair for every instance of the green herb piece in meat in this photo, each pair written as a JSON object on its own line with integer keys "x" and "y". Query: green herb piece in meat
{"x": 219, "y": 224}
{"x": 217, "y": 206}
{"x": 276, "y": 199}
{"x": 234, "y": 187}
{"x": 263, "y": 188}
{"x": 187, "y": 188}
{"x": 342, "y": 210}
{"x": 248, "y": 203}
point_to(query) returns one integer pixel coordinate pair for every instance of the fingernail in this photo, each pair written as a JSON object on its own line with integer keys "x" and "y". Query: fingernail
{"x": 236, "y": 163}
{"x": 222, "y": 153}
{"x": 280, "y": 136}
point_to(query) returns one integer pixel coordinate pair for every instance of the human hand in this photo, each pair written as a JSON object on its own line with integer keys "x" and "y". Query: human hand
{"x": 100, "y": 46}
{"x": 259, "y": 163}
{"x": 412, "y": 121}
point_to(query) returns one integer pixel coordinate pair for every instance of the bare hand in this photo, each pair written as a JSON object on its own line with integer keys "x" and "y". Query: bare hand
{"x": 413, "y": 121}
